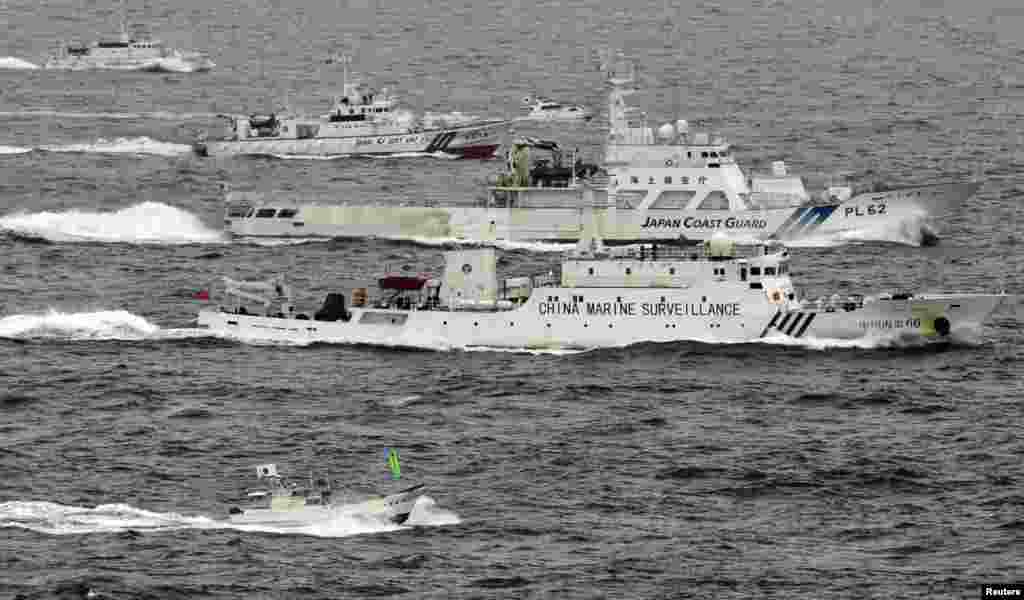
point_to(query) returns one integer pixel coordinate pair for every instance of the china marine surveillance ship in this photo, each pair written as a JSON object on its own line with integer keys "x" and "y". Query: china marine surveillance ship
{"x": 127, "y": 53}
{"x": 282, "y": 502}
{"x": 715, "y": 290}
{"x": 650, "y": 187}
{"x": 362, "y": 121}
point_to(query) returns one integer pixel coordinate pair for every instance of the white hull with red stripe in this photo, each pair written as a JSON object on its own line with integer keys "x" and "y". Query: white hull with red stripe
{"x": 471, "y": 141}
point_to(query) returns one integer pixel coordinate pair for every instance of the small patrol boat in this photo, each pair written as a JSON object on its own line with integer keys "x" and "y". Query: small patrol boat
{"x": 650, "y": 186}
{"x": 127, "y": 53}
{"x": 281, "y": 501}
{"x": 717, "y": 290}
{"x": 362, "y": 121}
{"x": 545, "y": 109}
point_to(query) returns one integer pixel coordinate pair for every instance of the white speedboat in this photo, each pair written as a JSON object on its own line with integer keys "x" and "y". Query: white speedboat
{"x": 285, "y": 502}
{"x": 362, "y": 121}
{"x": 712, "y": 291}
{"x": 545, "y": 109}
{"x": 652, "y": 186}
{"x": 127, "y": 53}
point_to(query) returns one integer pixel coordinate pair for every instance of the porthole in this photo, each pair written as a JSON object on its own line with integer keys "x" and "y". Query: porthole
{"x": 629, "y": 271}
{"x": 590, "y": 271}
{"x": 467, "y": 268}
{"x": 672, "y": 271}
{"x": 703, "y": 298}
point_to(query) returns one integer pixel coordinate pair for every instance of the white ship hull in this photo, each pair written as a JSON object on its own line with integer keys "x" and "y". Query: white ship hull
{"x": 864, "y": 213}
{"x": 471, "y": 141}
{"x": 623, "y": 316}
{"x": 395, "y": 508}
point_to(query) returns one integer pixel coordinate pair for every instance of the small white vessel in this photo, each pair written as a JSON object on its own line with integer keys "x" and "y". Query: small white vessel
{"x": 362, "y": 121}
{"x": 545, "y": 109}
{"x": 713, "y": 291}
{"x": 127, "y": 53}
{"x": 651, "y": 186}
{"x": 285, "y": 502}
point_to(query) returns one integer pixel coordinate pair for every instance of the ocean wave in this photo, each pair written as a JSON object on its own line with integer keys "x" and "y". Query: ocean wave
{"x": 144, "y": 223}
{"x": 908, "y": 231}
{"x": 123, "y": 145}
{"x": 98, "y": 325}
{"x": 16, "y": 64}
{"x": 14, "y": 150}
{"x": 57, "y": 519}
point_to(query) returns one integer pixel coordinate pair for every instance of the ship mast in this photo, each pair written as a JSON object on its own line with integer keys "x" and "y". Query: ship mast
{"x": 124, "y": 24}
{"x": 344, "y": 59}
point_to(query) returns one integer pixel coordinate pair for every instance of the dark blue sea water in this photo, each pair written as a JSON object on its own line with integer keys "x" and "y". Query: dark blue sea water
{"x": 654, "y": 471}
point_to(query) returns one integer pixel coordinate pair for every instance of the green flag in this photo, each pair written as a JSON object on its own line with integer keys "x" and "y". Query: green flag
{"x": 396, "y": 469}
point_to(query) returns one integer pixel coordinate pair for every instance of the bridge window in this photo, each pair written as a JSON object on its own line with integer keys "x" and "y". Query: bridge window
{"x": 634, "y": 179}
{"x": 755, "y": 271}
{"x": 629, "y": 200}
{"x": 668, "y": 180}
{"x": 703, "y": 154}
{"x": 769, "y": 270}
{"x": 743, "y": 273}
{"x": 286, "y": 213}
{"x": 715, "y": 200}
{"x": 673, "y": 199}
{"x": 264, "y": 213}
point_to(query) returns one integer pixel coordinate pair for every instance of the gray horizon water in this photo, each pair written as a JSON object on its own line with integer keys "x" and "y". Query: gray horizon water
{"x": 682, "y": 470}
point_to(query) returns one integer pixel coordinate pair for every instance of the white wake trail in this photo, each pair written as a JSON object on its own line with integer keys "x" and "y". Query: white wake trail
{"x": 57, "y": 519}
{"x": 144, "y": 223}
{"x": 12, "y": 63}
{"x": 96, "y": 325}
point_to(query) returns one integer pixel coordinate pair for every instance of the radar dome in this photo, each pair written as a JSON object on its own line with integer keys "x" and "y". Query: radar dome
{"x": 666, "y": 131}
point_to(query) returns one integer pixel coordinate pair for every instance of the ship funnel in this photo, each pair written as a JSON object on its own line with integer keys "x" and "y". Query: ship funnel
{"x": 682, "y": 127}
{"x": 666, "y": 131}
{"x": 778, "y": 168}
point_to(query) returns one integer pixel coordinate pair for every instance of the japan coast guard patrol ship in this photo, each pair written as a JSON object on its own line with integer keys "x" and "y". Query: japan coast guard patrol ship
{"x": 652, "y": 186}
{"x": 711, "y": 291}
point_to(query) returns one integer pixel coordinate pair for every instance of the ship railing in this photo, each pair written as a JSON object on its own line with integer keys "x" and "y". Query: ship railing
{"x": 834, "y": 303}
{"x": 687, "y": 251}
{"x": 757, "y": 200}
